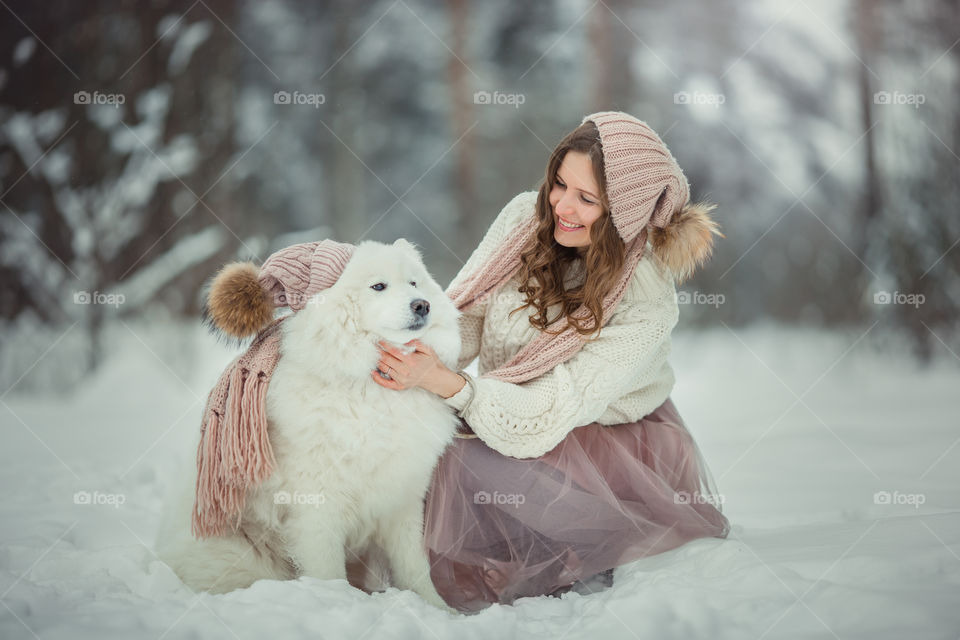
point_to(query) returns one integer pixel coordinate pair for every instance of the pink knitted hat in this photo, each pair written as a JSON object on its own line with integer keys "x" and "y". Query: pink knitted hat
{"x": 242, "y": 298}
{"x": 645, "y": 185}
{"x": 293, "y": 275}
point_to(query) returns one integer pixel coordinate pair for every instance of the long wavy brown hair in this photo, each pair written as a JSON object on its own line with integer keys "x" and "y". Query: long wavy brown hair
{"x": 544, "y": 262}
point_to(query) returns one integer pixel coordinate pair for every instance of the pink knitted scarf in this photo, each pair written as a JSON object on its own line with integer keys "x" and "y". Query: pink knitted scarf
{"x": 547, "y": 350}
{"x": 234, "y": 452}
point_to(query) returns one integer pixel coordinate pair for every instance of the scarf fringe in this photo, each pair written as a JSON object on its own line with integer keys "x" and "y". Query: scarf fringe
{"x": 234, "y": 454}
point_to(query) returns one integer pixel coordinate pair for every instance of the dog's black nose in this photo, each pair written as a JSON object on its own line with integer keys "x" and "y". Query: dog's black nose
{"x": 420, "y": 307}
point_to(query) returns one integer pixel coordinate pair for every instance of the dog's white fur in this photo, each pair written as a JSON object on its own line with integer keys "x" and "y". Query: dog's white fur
{"x": 354, "y": 458}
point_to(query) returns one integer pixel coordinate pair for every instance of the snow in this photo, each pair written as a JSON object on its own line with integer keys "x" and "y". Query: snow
{"x": 105, "y": 116}
{"x": 142, "y": 286}
{"x": 190, "y": 38}
{"x": 49, "y": 124}
{"x": 19, "y": 130}
{"x": 23, "y": 51}
{"x": 169, "y": 26}
{"x": 56, "y": 166}
{"x": 800, "y": 428}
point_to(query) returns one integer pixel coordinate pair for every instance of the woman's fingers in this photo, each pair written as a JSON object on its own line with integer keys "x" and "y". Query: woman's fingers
{"x": 384, "y": 382}
{"x": 386, "y": 348}
{"x": 419, "y": 346}
{"x": 380, "y": 380}
{"x": 389, "y": 358}
{"x": 388, "y": 361}
{"x": 397, "y": 364}
{"x": 390, "y": 365}
{"x": 388, "y": 369}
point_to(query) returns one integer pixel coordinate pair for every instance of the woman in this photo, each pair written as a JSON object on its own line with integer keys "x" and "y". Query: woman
{"x": 578, "y": 461}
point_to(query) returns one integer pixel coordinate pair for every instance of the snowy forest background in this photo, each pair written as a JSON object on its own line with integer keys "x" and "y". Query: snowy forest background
{"x": 143, "y": 144}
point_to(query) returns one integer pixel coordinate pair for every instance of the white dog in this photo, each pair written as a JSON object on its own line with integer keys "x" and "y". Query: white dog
{"x": 354, "y": 459}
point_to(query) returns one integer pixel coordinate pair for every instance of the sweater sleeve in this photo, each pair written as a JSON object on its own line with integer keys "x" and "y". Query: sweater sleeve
{"x": 528, "y": 419}
{"x": 471, "y": 320}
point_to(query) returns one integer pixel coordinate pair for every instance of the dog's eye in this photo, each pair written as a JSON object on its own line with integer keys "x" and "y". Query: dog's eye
{"x": 413, "y": 283}
{"x": 379, "y": 286}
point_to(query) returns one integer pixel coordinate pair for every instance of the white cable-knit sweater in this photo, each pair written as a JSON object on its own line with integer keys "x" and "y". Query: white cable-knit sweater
{"x": 621, "y": 376}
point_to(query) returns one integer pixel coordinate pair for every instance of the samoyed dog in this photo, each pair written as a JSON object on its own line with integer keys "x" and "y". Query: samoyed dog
{"x": 353, "y": 459}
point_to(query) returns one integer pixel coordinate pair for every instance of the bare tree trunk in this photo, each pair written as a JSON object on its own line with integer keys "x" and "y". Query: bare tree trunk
{"x": 93, "y": 60}
{"x": 348, "y": 215}
{"x": 868, "y": 236}
{"x": 865, "y": 25}
{"x": 462, "y": 119}
{"x": 601, "y": 43}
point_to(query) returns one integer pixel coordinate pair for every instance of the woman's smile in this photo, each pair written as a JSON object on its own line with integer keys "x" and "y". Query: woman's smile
{"x": 566, "y": 225}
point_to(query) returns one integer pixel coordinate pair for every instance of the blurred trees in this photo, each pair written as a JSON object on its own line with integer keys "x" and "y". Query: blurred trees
{"x": 112, "y": 143}
{"x": 247, "y": 126}
{"x": 918, "y": 228}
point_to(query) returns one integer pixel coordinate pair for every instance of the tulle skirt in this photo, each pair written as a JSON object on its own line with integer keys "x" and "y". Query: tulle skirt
{"x": 499, "y": 528}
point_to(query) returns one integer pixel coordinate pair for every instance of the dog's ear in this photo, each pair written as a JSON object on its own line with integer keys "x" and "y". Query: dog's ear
{"x": 406, "y": 245}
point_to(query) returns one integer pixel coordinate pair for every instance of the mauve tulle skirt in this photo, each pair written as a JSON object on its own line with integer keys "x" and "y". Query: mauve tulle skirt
{"x": 499, "y": 528}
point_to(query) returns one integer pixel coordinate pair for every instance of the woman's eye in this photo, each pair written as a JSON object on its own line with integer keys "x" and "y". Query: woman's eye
{"x": 588, "y": 201}
{"x": 561, "y": 185}
{"x": 379, "y": 286}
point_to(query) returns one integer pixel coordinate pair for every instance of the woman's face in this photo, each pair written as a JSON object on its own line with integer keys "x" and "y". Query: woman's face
{"x": 575, "y": 200}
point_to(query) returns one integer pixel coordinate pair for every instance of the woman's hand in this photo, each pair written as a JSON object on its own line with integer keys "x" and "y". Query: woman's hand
{"x": 421, "y": 368}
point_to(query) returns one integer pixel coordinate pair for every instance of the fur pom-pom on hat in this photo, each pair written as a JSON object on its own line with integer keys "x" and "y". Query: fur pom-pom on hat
{"x": 242, "y": 297}
{"x": 237, "y": 304}
{"x": 686, "y": 242}
{"x": 648, "y": 190}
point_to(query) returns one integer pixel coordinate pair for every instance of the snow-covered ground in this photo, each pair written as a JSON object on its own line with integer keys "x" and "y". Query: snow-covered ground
{"x": 804, "y": 432}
